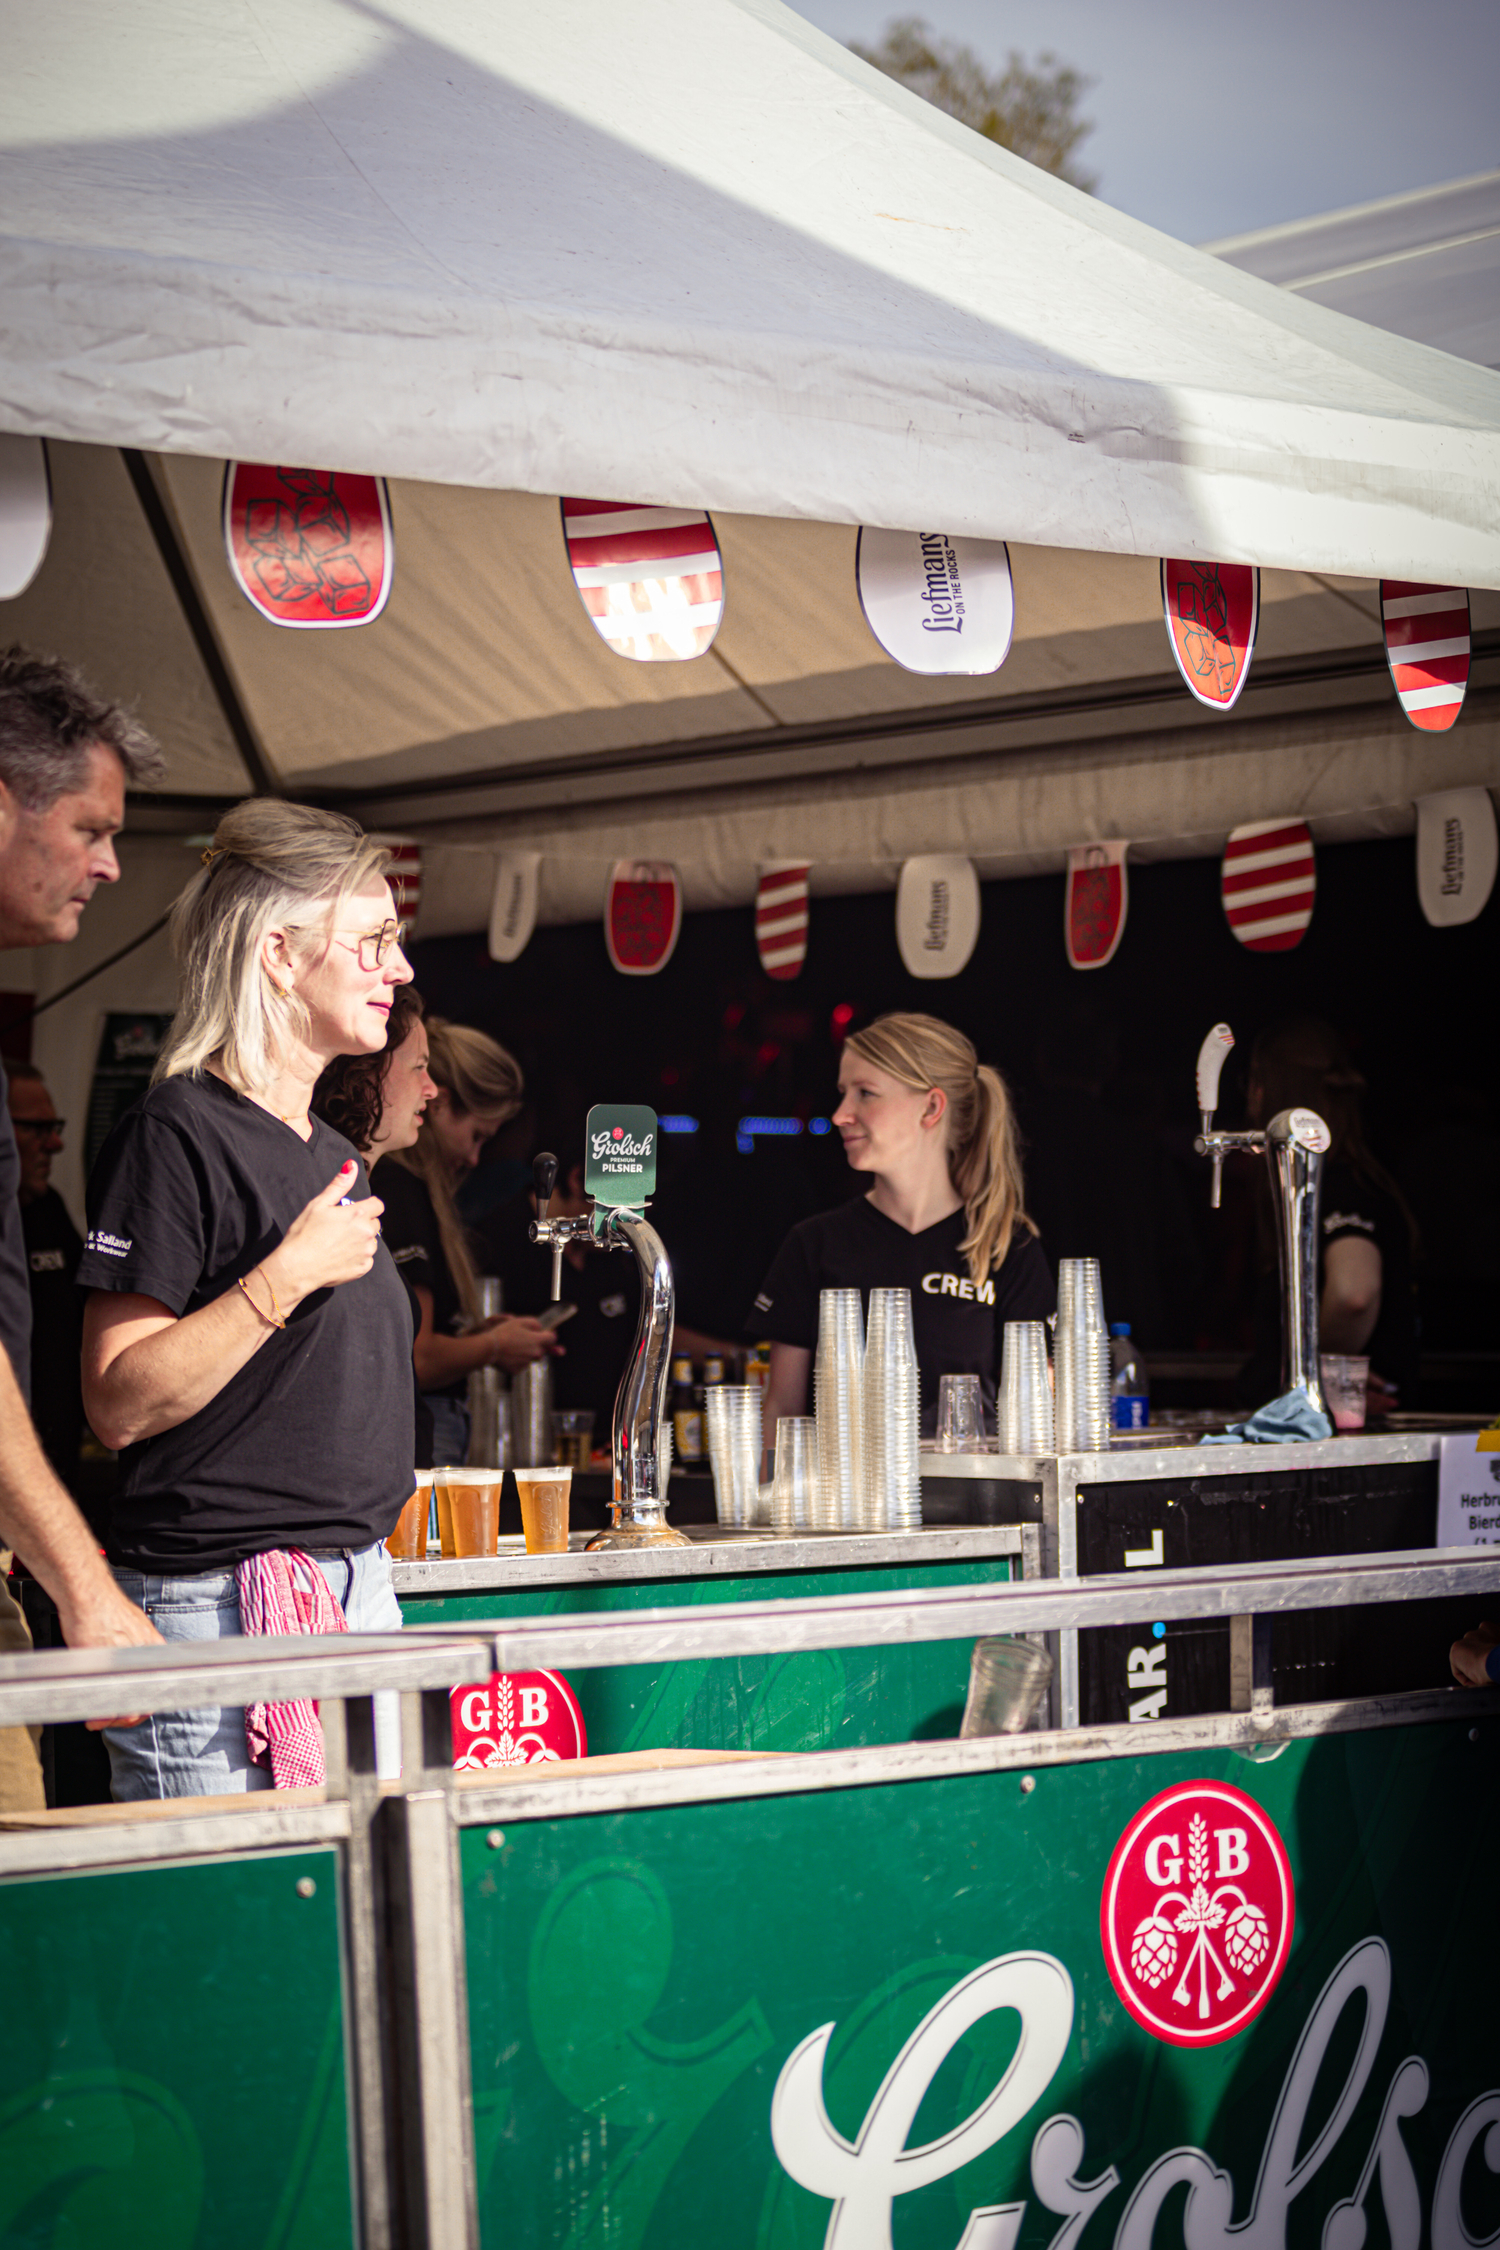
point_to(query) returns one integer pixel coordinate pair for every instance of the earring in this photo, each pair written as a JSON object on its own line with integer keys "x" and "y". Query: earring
{"x": 280, "y": 990}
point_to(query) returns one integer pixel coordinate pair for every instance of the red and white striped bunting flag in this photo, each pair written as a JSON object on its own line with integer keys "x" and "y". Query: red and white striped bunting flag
{"x": 405, "y": 878}
{"x": 1427, "y": 648}
{"x": 1268, "y": 884}
{"x": 652, "y": 579}
{"x": 781, "y": 918}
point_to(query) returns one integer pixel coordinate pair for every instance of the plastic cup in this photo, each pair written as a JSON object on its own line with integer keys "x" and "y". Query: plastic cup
{"x": 545, "y": 1493}
{"x": 1346, "y": 1377}
{"x": 1006, "y": 1682}
{"x": 573, "y": 1436}
{"x": 960, "y": 1415}
{"x": 408, "y": 1542}
{"x": 468, "y": 1505}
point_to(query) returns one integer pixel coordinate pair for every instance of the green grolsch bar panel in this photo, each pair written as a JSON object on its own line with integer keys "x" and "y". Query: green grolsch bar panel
{"x": 172, "y": 2070}
{"x": 826, "y": 1699}
{"x": 879, "y": 2016}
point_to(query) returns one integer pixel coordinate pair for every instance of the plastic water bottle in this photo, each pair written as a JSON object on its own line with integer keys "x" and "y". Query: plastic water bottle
{"x": 1131, "y": 1386}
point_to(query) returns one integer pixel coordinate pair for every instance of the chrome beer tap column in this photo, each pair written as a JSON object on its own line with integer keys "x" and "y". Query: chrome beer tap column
{"x": 1294, "y": 1145}
{"x": 638, "y": 1499}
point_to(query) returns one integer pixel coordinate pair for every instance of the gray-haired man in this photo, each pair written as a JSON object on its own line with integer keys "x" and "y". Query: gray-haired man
{"x": 65, "y": 759}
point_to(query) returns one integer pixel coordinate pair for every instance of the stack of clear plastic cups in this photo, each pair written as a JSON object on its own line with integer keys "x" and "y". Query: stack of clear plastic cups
{"x": 733, "y": 1435}
{"x": 796, "y": 1476}
{"x": 1023, "y": 1409}
{"x": 838, "y": 1389}
{"x": 1084, "y": 1373}
{"x": 891, "y": 1486}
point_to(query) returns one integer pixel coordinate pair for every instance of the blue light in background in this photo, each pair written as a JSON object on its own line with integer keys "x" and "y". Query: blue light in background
{"x": 678, "y": 1124}
{"x": 749, "y": 1127}
{"x": 819, "y": 1125}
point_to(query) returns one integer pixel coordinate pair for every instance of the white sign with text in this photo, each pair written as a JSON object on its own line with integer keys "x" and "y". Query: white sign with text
{"x": 1468, "y": 1493}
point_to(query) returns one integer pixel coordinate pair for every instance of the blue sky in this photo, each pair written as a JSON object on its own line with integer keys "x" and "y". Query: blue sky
{"x": 1213, "y": 120}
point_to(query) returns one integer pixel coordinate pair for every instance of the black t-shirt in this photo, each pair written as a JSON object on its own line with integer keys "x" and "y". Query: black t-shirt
{"x": 53, "y": 1249}
{"x": 1351, "y": 1208}
{"x": 310, "y": 1444}
{"x": 15, "y": 1291}
{"x": 409, "y": 1224}
{"x": 606, "y": 1289}
{"x": 959, "y": 1324}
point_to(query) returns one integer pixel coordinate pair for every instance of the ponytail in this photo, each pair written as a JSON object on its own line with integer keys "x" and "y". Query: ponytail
{"x": 984, "y": 1155}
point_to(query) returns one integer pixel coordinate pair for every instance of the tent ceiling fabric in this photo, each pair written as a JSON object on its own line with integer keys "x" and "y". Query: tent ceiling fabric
{"x": 694, "y": 253}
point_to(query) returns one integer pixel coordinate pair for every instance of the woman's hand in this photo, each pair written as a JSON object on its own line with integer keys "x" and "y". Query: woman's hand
{"x": 515, "y": 1342}
{"x": 328, "y": 1242}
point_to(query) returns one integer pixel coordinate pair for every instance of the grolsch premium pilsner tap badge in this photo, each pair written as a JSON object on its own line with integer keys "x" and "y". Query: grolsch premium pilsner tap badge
{"x": 619, "y": 1168}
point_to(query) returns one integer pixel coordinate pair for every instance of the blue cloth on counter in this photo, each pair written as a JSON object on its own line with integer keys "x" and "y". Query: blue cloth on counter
{"x": 1285, "y": 1419}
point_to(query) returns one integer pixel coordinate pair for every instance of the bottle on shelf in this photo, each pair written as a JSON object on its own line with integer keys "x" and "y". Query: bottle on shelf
{"x": 1131, "y": 1386}
{"x": 687, "y": 1416}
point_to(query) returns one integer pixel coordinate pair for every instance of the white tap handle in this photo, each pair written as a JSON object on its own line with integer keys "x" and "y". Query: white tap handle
{"x": 1210, "y": 1062}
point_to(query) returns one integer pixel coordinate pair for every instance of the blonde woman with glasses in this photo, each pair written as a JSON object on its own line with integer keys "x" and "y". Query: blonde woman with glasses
{"x": 247, "y": 1341}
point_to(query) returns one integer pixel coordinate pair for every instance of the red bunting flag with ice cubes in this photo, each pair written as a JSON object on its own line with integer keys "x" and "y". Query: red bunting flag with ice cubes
{"x": 642, "y": 915}
{"x": 1269, "y": 881}
{"x": 309, "y": 548}
{"x": 652, "y": 579}
{"x": 1427, "y": 648}
{"x": 781, "y": 918}
{"x": 1095, "y": 904}
{"x": 1212, "y": 611}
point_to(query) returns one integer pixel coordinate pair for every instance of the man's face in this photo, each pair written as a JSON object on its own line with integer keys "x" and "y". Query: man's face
{"x": 52, "y": 862}
{"x": 38, "y": 1134}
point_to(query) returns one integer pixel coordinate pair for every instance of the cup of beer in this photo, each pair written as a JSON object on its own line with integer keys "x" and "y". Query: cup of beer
{"x": 468, "y": 1510}
{"x": 573, "y": 1435}
{"x": 408, "y": 1542}
{"x": 545, "y": 1494}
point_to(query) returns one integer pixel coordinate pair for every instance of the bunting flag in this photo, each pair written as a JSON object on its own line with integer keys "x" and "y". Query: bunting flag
{"x": 781, "y": 918}
{"x": 513, "y": 904}
{"x": 1427, "y": 648}
{"x": 405, "y": 876}
{"x": 309, "y": 548}
{"x": 642, "y": 915}
{"x": 25, "y": 512}
{"x": 1268, "y": 883}
{"x": 934, "y": 602}
{"x": 1212, "y": 610}
{"x": 937, "y": 914}
{"x": 652, "y": 579}
{"x": 1096, "y": 903}
{"x": 1456, "y": 855}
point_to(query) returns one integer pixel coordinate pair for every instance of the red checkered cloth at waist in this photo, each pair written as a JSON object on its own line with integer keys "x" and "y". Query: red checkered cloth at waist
{"x": 284, "y": 1591}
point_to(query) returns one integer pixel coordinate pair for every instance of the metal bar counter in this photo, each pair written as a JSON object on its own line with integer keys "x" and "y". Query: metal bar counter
{"x": 789, "y": 1700}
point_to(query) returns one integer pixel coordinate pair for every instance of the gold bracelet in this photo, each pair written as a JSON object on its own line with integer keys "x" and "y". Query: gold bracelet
{"x": 271, "y": 1319}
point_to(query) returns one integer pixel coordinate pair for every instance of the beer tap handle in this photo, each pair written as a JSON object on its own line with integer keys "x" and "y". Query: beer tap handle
{"x": 1210, "y": 1063}
{"x": 543, "y": 1180}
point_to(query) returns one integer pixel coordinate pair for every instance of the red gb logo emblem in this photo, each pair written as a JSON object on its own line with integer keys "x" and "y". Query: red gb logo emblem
{"x": 516, "y": 1719}
{"x": 1197, "y": 1914}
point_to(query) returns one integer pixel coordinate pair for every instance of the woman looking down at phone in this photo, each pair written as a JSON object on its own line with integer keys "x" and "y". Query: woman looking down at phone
{"x": 247, "y": 1339}
{"x": 944, "y": 1218}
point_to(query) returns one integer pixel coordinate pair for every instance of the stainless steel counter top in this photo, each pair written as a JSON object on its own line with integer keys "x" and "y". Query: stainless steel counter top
{"x": 1184, "y": 1456}
{"x": 716, "y": 1551}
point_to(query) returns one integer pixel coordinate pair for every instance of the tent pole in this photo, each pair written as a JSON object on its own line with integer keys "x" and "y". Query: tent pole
{"x": 199, "y": 624}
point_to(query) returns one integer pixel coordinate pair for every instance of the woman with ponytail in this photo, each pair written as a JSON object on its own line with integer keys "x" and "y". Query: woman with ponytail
{"x": 945, "y": 1216}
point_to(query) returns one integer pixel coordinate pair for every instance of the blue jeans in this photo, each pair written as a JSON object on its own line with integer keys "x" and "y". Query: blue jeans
{"x": 204, "y": 1753}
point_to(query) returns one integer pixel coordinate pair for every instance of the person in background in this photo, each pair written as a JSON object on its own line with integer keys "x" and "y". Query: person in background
{"x": 1367, "y": 1300}
{"x": 945, "y": 1217}
{"x": 478, "y": 1087}
{"x": 377, "y": 1102}
{"x": 75, "y": 1763}
{"x": 247, "y": 1339}
{"x": 66, "y": 756}
{"x": 605, "y": 1287}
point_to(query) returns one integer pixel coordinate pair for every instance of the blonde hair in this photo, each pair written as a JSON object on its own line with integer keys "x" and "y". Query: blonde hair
{"x": 479, "y": 1076}
{"x": 272, "y": 866}
{"x": 984, "y": 1154}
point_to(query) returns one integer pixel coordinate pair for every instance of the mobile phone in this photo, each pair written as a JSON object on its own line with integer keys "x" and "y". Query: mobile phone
{"x": 553, "y": 1316}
